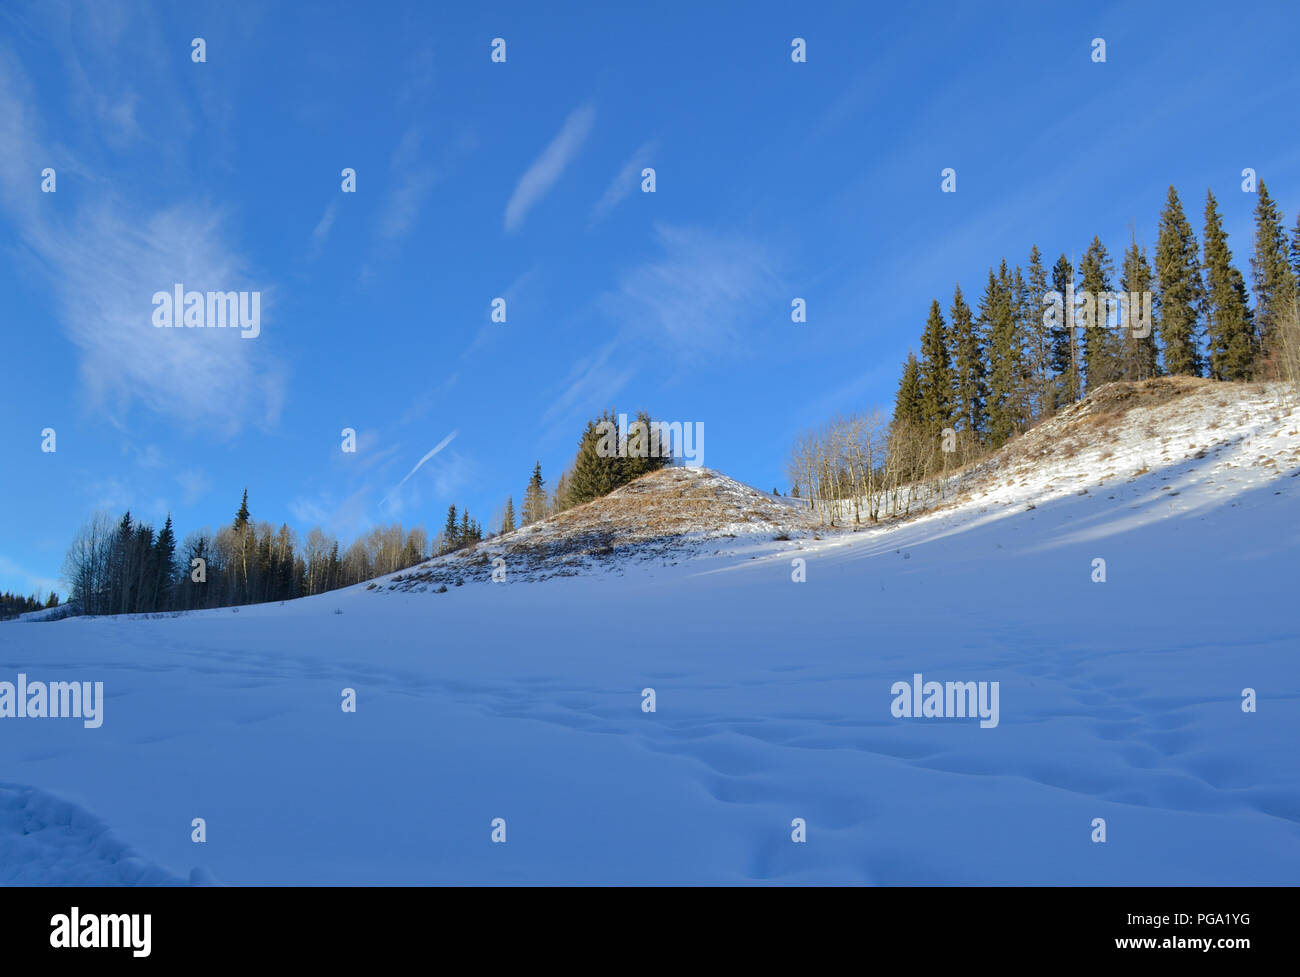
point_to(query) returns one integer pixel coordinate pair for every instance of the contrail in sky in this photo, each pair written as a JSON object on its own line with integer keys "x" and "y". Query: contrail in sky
{"x": 441, "y": 444}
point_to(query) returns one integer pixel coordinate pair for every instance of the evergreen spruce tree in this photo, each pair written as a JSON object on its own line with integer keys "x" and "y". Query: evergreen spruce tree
{"x": 241, "y": 517}
{"x": 1038, "y": 338}
{"x": 1020, "y": 315}
{"x": 146, "y": 581}
{"x": 664, "y": 459}
{"x": 597, "y": 469}
{"x": 265, "y": 569}
{"x": 334, "y": 569}
{"x": 1178, "y": 270}
{"x": 1100, "y": 342}
{"x": 535, "y": 497}
{"x": 1139, "y": 354}
{"x": 285, "y": 584}
{"x": 120, "y": 566}
{"x": 1065, "y": 343}
{"x": 1275, "y": 281}
{"x": 1295, "y": 250}
{"x": 164, "y": 565}
{"x": 1229, "y": 327}
{"x": 193, "y": 593}
{"x": 245, "y": 544}
{"x": 508, "y": 520}
{"x": 450, "y": 530}
{"x": 638, "y": 458}
{"x": 560, "y": 497}
{"x": 465, "y": 535}
{"x": 968, "y": 368}
{"x": 907, "y": 402}
{"x": 1005, "y": 357}
{"x": 936, "y": 373}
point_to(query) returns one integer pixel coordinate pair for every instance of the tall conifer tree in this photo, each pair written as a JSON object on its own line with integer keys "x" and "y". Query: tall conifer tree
{"x": 164, "y": 564}
{"x": 1065, "y": 344}
{"x": 968, "y": 368}
{"x": 636, "y": 444}
{"x": 907, "y": 402}
{"x": 597, "y": 470}
{"x": 1100, "y": 341}
{"x": 450, "y": 531}
{"x": 1178, "y": 269}
{"x": 1005, "y": 357}
{"x": 1038, "y": 338}
{"x": 1229, "y": 327}
{"x": 535, "y": 497}
{"x": 1019, "y": 297}
{"x": 1295, "y": 250}
{"x": 1275, "y": 282}
{"x": 246, "y": 543}
{"x": 1139, "y": 355}
{"x": 936, "y": 373}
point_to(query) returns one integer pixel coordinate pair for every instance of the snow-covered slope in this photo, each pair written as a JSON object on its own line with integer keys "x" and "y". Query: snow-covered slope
{"x": 523, "y": 700}
{"x": 1128, "y": 430}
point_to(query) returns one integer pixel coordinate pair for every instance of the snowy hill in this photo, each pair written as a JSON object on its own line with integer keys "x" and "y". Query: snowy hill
{"x": 668, "y": 515}
{"x": 1127, "y": 430}
{"x": 774, "y": 699}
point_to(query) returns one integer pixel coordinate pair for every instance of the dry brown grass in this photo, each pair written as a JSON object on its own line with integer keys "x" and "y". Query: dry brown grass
{"x": 670, "y": 502}
{"x": 646, "y": 518}
{"x": 1116, "y": 399}
{"x": 1099, "y": 420}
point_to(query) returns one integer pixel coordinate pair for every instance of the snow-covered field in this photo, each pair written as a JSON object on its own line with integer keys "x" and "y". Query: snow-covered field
{"x": 1119, "y": 700}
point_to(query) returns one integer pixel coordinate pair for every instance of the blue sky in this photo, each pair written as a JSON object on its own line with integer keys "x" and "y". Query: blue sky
{"x": 522, "y": 180}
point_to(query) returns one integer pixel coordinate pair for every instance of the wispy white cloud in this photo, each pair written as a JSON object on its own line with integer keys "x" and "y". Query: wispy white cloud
{"x": 110, "y": 494}
{"x": 310, "y": 511}
{"x": 194, "y": 485}
{"x": 116, "y": 495}
{"x": 697, "y": 298}
{"x": 107, "y": 269}
{"x": 346, "y": 518}
{"x": 421, "y": 405}
{"x": 19, "y": 579}
{"x": 490, "y": 333}
{"x": 625, "y": 181}
{"x": 548, "y": 167}
{"x": 371, "y": 454}
{"x": 593, "y": 380}
{"x": 103, "y": 265}
{"x": 321, "y": 232}
{"x": 146, "y": 456}
{"x": 118, "y": 118}
{"x": 416, "y": 88}
{"x": 415, "y": 179}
